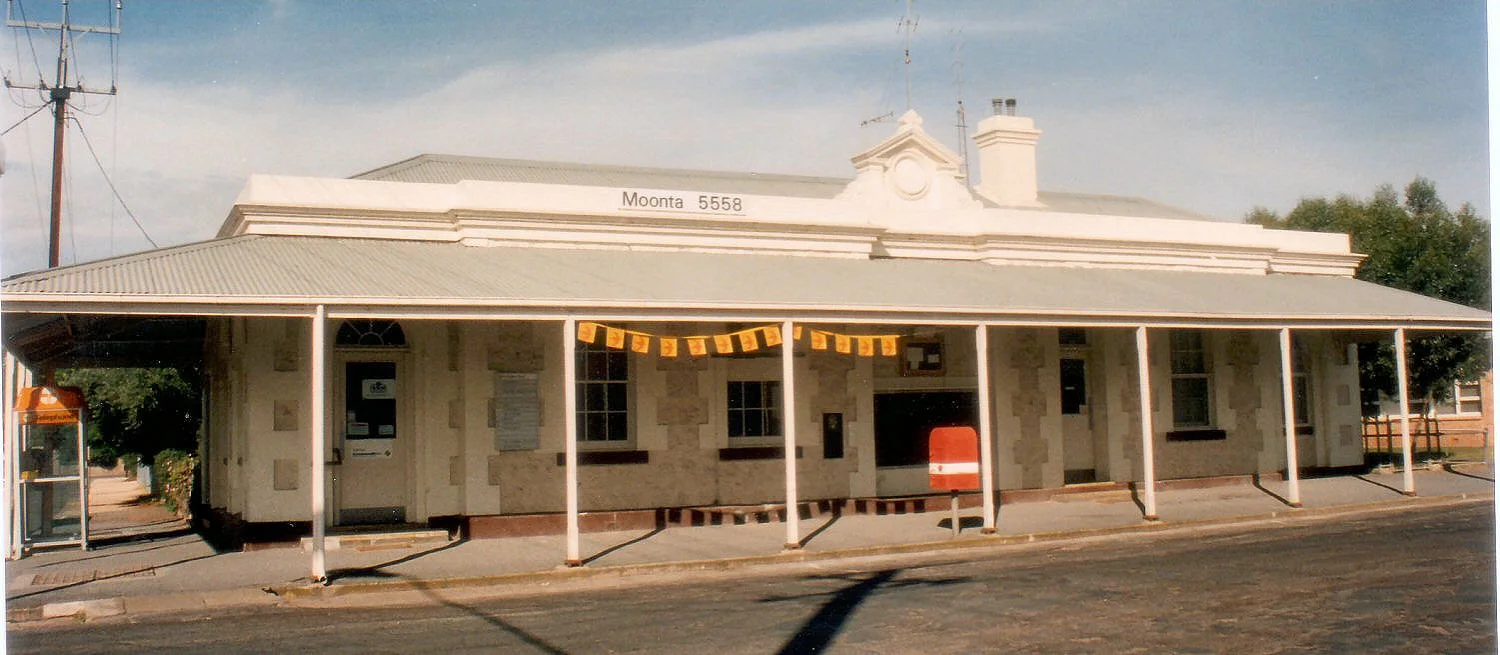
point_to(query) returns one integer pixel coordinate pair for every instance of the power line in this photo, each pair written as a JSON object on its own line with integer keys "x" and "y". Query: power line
{"x": 111, "y": 183}
{"x": 28, "y": 117}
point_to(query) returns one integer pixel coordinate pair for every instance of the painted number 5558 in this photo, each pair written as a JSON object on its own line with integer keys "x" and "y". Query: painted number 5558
{"x": 720, "y": 203}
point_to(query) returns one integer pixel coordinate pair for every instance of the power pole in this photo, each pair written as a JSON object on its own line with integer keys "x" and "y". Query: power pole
{"x": 58, "y": 94}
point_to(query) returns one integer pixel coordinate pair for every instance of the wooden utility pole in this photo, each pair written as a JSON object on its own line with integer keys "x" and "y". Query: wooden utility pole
{"x": 58, "y": 94}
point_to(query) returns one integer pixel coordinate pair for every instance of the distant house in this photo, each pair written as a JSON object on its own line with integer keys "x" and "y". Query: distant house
{"x": 521, "y": 346}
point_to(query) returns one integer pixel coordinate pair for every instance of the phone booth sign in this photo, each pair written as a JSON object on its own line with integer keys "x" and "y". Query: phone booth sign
{"x": 953, "y": 459}
{"x": 53, "y": 458}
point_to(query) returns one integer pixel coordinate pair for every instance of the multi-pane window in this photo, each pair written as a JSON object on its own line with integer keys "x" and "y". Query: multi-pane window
{"x": 754, "y": 409}
{"x": 603, "y": 394}
{"x": 1192, "y": 398}
{"x": 1301, "y": 392}
{"x": 1466, "y": 398}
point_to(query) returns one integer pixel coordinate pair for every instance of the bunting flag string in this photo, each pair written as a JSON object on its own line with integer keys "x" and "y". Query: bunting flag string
{"x": 748, "y": 340}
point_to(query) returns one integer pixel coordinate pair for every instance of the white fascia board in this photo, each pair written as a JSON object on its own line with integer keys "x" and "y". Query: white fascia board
{"x": 609, "y": 204}
{"x": 635, "y": 310}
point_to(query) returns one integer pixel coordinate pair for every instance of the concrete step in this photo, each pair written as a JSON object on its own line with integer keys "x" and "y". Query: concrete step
{"x": 380, "y": 540}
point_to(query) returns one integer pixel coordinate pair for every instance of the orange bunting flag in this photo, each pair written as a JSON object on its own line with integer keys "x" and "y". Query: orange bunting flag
{"x": 866, "y": 346}
{"x": 668, "y": 346}
{"x": 841, "y": 343}
{"x": 748, "y": 342}
{"x": 614, "y": 338}
{"x": 698, "y": 346}
{"x": 587, "y": 331}
{"x": 772, "y": 336}
{"x": 796, "y": 333}
{"x": 724, "y": 344}
{"x": 888, "y": 346}
{"x": 819, "y": 340}
{"x": 640, "y": 343}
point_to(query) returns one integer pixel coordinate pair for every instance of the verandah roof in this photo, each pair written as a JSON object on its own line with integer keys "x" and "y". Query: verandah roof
{"x": 261, "y": 275}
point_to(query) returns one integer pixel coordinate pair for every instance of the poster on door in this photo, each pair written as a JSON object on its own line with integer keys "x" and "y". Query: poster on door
{"x": 372, "y": 448}
{"x": 378, "y": 389}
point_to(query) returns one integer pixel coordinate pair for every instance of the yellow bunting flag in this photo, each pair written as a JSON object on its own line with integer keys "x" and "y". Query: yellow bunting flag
{"x": 819, "y": 340}
{"x": 841, "y": 343}
{"x": 614, "y": 338}
{"x": 668, "y": 346}
{"x": 866, "y": 346}
{"x": 587, "y": 331}
{"x": 698, "y": 346}
{"x": 796, "y": 333}
{"x": 640, "y": 343}
{"x": 748, "y": 342}
{"x": 772, "y": 336}
{"x": 888, "y": 346}
{"x": 724, "y": 344}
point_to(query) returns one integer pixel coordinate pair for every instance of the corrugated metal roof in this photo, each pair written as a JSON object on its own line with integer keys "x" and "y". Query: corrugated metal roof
{"x": 451, "y": 169}
{"x": 397, "y": 274}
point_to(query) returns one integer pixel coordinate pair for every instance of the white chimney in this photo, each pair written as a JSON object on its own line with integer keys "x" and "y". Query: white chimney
{"x": 1007, "y": 157}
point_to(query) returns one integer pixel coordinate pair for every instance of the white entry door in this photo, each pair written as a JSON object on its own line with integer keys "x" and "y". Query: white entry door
{"x": 370, "y": 481}
{"x": 1078, "y": 438}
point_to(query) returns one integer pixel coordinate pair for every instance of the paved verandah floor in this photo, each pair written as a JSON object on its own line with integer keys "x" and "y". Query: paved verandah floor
{"x": 185, "y": 564}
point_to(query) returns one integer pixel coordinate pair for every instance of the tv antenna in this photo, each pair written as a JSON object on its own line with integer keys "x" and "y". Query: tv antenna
{"x": 963, "y": 120}
{"x": 908, "y": 25}
{"x": 64, "y": 85}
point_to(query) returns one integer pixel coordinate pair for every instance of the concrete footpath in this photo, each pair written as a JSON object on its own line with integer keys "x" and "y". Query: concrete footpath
{"x": 176, "y": 571}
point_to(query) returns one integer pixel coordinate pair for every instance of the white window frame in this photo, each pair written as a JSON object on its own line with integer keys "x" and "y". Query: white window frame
{"x": 1204, "y": 372}
{"x": 584, "y": 381}
{"x": 769, "y": 408}
{"x": 1459, "y": 398}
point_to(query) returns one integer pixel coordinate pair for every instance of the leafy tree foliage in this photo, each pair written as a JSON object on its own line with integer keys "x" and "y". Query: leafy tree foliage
{"x": 140, "y": 411}
{"x": 1418, "y": 245}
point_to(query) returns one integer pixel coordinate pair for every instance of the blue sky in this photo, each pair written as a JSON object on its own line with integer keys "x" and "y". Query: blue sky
{"x": 1216, "y": 107}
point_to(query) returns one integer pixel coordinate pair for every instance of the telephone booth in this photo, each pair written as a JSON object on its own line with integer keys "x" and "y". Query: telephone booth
{"x": 53, "y": 485}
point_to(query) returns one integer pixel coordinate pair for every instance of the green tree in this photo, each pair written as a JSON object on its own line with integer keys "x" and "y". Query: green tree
{"x": 1417, "y": 245}
{"x": 139, "y": 411}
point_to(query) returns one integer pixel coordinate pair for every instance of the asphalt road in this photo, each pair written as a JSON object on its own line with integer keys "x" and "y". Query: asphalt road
{"x": 1416, "y": 581}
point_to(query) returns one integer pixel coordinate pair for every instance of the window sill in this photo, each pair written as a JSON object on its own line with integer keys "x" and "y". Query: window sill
{"x": 1197, "y": 434}
{"x": 607, "y": 457}
{"x": 754, "y": 452}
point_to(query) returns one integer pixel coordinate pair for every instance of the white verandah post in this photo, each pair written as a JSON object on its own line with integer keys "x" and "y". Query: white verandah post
{"x": 12, "y": 500}
{"x": 1408, "y": 485}
{"x": 1289, "y": 421}
{"x": 318, "y": 353}
{"x": 986, "y": 448}
{"x": 789, "y": 432}
{"x": 570, "y": 435}
{"x": 1148, "y": 453}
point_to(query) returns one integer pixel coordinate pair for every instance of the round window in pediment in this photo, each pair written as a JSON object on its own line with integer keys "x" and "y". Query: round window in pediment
{"x": 910, "y": 177}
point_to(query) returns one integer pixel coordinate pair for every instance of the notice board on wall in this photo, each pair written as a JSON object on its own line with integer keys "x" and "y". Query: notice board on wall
{"x": 517, "y": 411}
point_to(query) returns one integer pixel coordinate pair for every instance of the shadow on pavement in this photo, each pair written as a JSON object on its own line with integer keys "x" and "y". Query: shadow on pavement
{"x": 837, "y": 514}
{"x": 1255, "y": 482}
{"x": 618, "y": 546}
{"x": 121, "y": 574}
{"x": 819, "y": 631}
{"x": 377, "y": 571}
{"x": 1378, "y": 484}
{"x": 1449, "y": 468}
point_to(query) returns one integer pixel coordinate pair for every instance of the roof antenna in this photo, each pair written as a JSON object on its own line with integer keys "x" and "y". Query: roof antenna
{"x": 908, "y": 25}
{"x": 963, "y": 120}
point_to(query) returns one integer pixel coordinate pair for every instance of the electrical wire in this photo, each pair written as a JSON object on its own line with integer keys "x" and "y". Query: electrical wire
{"x": 111, "y": 184}
{"x": 28, "y": 117}
{"x": 31, "y": 44}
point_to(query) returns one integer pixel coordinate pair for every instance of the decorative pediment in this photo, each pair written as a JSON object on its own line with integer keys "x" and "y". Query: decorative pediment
{"x": 910, "y": 169}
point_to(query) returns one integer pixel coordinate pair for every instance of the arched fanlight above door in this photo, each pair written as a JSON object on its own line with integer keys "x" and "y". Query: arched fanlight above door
{"x": 364, "y": 333}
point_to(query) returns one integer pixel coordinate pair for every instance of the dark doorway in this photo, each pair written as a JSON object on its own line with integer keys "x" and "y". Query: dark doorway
{"x": 904, "y": 420}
